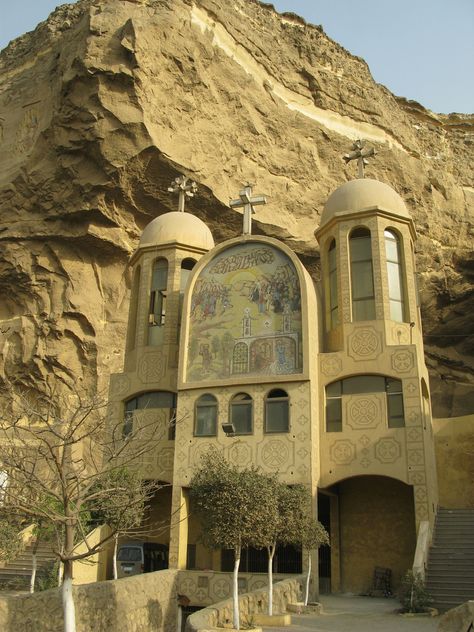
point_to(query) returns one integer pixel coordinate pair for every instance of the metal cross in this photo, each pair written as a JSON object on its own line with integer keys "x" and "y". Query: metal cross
{"x": 247, "y": 202}
{"x": 185, "y": 187}
{"x": 360, "y": 153}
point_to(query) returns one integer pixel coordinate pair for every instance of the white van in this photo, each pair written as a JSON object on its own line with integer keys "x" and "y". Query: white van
{"x": 134, "y": 558}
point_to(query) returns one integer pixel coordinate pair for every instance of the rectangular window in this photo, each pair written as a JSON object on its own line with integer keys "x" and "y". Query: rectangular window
{"x": 333, "y": 415}
{"x": 206, "y": 420}
{"x": 242, "y": 418}
{"x": 276, "y": 416}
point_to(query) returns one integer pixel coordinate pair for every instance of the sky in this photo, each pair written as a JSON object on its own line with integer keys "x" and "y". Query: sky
{"x": 419, "y": 49}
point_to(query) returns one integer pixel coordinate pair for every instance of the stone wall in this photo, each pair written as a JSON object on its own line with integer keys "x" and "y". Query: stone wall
{"x": 455, "y": 461}
{"x": 285, "y": 592}
{"x": 143, "y": 603}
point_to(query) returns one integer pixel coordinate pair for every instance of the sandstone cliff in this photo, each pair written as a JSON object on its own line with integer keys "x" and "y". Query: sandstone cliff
{"x": 108, "y": 100}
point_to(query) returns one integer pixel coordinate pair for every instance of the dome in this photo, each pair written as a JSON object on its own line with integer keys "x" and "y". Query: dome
{"x": 177, "y": 227}
{"x": 361, "y": 195}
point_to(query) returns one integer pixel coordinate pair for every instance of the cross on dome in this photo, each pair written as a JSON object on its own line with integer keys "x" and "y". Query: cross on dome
{"x": 247, "y": 202}
{"x": 185, "y": 187}
{"x": 360, "y": 153}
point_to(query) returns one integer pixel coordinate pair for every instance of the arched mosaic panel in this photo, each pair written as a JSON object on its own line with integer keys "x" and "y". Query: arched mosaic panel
{"x": 245, "y": 316}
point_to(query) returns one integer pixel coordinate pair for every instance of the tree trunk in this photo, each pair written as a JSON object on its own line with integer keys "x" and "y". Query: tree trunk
{"x": 34, "y": 565}
{"x": 235, "y": 592}
{"x": 67, "y": 599}
{"x": 114, "y": 558}
{"x": 60, "y": 573}
{"x": 307, "y": 579}
{"x": 33, "y": 573}
{"x": 271, "y": 553}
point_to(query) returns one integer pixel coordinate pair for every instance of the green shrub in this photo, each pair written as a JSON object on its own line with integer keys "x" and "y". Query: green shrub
{"x": 412, "y": 594}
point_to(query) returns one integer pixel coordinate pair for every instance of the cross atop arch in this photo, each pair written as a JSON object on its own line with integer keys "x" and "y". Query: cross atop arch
{"x": 247, "y": 202}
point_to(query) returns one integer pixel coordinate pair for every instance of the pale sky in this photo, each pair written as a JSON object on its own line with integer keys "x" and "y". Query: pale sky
{"x": 419, "y": 49}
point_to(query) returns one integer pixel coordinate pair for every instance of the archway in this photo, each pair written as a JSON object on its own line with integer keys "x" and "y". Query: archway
{"x": 372, "y": 524}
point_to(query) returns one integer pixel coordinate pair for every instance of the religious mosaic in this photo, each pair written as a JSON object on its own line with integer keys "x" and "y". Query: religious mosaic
{"x": 245, "y": 315}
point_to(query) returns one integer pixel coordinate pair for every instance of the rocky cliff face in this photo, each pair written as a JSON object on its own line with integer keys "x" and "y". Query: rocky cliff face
{"x": 103, "y": 104}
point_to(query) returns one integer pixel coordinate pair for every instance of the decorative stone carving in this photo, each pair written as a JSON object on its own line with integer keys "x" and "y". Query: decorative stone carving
{"x": 302, "y": 453}
{"x": 413, "y": 418}
{"x": 220, "y": 588}
{"x": 200, "y": 450}
{"x": 303, "y": 420}
{"x": 119, "y": 385}
{"x": 417, "y": 478}
{"x": 331, "y": 365}
{"x": 240, "y": 454}
{"x": 387, "y": 450}
{"x": 364, "y": 344}
{"x": 342, "y": 452}
{"x": 151, "y": 367}
{"x": 365, "y": 462}
{"x": 364, "y": 441}
{"x": 275, "y": 454}
{"x": 165, "y": 458}
{"x": 363, "y": 412}
{"x": 414, "y": 434}
{"x": 403, "y": 361}
{"x": 420, "y": 493}
{"x": 416, "y": 456}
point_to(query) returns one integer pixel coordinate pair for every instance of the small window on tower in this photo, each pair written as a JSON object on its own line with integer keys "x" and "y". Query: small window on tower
{"x": 157, "y": 311}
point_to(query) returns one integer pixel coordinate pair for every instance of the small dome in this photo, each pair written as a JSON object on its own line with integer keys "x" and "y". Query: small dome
{"x": 361, "y": 195}
{"x": 177, "y": 227}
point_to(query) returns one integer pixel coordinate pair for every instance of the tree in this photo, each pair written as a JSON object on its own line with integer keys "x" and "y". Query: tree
{"x": 235, "y": 508}
{"x": 62, "y": 458}
{"x": 312, "y": 536}
{"x": 123, "y": 512}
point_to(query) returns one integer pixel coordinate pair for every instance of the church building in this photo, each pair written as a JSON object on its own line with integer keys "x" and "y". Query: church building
{"x": 235, "y": 347}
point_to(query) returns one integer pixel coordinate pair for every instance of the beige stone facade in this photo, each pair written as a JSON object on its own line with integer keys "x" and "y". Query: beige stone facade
{"x": 325, "y": 383}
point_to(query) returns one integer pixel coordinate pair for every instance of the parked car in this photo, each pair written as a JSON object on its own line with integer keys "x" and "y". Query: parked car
{"x": 134, "y": 558}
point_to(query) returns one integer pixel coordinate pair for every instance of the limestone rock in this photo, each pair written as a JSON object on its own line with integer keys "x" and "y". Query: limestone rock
{"x": 108, "y": 100}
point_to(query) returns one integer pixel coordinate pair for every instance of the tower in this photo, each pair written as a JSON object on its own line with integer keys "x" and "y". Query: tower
{"x": 376, "y": 438}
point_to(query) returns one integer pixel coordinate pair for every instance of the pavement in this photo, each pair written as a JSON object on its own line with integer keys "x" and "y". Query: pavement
{"x": 348, "y": 613}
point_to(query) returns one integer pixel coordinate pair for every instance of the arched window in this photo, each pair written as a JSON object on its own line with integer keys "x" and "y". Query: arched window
{"x": 240, "y": 358}
{"x": 186, "y": 266}
{"x": 358, "y": 385}
{"x": 151, "y": 400}
{"x": 362, "y": 276}
{"x": 333, "y": 299}
{"x": 396, "y": 290}
{"x": 159, "y": 281}
{"x": 277, "y": 411}
{"x": 132, "y": 322}
{"x": 205, "y": 416}
{"x": 241, "y": 413}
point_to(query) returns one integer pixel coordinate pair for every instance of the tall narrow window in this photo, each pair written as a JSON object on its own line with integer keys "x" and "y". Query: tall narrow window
{"x": 333, "y": 302}
{"x": 205, "y": 416}
{"x": 362, "y": 276}
{"x": 186, "y": 267}
{"x": 159, "y": 281}
{"x": 277, "y": 411}
{"x": 395, "y": 414}
{"x": 396, "y": 291}
{"x": 334, "y": 407}
{"x": 241, "y": 413}
{"x": 132, "y": 322}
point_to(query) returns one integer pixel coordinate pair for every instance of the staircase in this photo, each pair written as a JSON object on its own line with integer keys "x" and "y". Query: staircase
{"x": 450, "y": 572}
{"x": 18, "y": 572}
